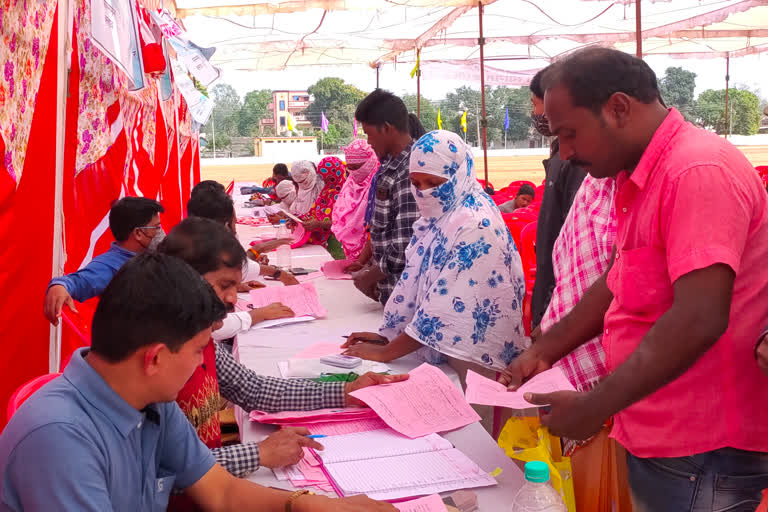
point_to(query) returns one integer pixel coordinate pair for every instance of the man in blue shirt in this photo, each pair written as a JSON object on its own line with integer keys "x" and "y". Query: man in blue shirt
{"x": 107, "y": 434}
{"x": 135, "y": 224}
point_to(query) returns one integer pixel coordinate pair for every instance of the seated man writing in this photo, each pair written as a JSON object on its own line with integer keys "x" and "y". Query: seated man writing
{"x": 218, "y": 256}
{"x": 135, "y": 224}
{"x": 107, "y": 436}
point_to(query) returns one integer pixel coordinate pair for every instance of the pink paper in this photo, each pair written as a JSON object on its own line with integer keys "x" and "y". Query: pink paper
{"x": 345, "y": 427}
{"x": 335, "y": 269}
{"x": 319, "y": 350}
{"x": 431, "y": 503}
{"x": 301, "y": 298}
{"x": 309, "y": 277}
{"x": 426, "y": 403}
{"x": 319, "y": 415}
{"x": 484, "y": 391}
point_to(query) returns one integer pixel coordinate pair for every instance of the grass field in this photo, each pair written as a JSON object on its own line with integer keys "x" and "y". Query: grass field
{"x": 501, "y": 169}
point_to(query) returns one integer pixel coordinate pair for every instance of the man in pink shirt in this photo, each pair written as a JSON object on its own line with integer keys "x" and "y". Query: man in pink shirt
{"x": 681, "y": 304}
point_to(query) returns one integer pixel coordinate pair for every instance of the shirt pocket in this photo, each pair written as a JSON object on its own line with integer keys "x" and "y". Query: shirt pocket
{"x": 162, "y": 490}
{"x": 640, "y": 282}
{"x": 381, "y": 206}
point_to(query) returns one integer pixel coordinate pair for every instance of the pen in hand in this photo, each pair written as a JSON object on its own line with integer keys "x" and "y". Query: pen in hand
{"x": 370, "y": 340}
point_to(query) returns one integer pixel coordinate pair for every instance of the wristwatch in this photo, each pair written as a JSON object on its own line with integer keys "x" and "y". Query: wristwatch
{"x": 293, "y": 497}
{"x": 277, "y": 274}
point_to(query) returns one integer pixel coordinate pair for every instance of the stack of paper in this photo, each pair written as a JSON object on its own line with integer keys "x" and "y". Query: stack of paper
{"x": 335, "y": 269}
{"x": 313, "y": 368}
{"x": 301, "y": 298}
{"x": 386, "y": 465}
{"x": 484, "y": 391}
{"x": 427, "y": 402}
{"x": 431, "y": 503}
{"x": 316, "y": 416}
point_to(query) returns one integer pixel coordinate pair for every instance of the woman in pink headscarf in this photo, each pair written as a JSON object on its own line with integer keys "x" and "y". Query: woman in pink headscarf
{"x": 349, "y": 212}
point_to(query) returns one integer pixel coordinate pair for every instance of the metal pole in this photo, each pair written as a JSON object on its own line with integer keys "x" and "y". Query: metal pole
{"x": 377, "y": 76}
{"x": 639, "y": 28}
{"x": 418, "y": 83}
{"x": 62, "y": 72}
{"x": 484, "y": 122}
{"x": 727, "y": 78}
{"x": 213, "y": 128}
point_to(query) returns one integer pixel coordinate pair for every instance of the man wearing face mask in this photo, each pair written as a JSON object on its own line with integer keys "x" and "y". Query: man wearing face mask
{"x": 135, "y": 224}
{"x": 563, "y": 179}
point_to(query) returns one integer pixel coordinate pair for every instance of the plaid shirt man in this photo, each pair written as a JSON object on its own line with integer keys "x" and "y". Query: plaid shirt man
{"x": 581, "y": 255}
{"x": 394, "y": 212}
{"x": 250, "y": 391}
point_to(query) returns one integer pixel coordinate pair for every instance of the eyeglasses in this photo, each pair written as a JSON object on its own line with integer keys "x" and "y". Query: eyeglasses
{"x": 159, "y": 226}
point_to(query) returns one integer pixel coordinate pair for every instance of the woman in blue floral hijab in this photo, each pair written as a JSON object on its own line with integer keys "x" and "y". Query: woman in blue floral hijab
{"x": 462, "y": 289}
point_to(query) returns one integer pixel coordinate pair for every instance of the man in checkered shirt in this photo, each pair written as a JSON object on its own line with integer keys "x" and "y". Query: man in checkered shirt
{"x": 204, "y": 243}
{"x": 385, "y": 121}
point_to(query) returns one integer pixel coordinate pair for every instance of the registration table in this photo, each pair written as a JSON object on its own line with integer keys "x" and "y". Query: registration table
{"x": 350, "y": 311}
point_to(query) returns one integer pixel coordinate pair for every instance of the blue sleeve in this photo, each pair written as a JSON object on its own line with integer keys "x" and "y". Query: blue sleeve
{"x": 87, "y": 282}
{"x": 56, "y": 468}
{"x": 181, "y": 450}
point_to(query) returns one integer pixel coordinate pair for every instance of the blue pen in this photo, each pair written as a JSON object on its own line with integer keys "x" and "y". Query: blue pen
{"x": 316, "y": 436}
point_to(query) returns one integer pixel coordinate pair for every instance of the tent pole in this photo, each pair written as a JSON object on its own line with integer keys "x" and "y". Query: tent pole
{"x": 418, "y": 83}
{"x": 62, "y": 71}
{"x": 639, "y": 28}
{"x": 483, "y": 120}
{"x": 377, "y": 76}
{"x": 727, "y": 78}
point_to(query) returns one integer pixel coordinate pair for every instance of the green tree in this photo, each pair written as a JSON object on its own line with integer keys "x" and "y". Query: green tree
{"x": 743, "y": 111}
{"x": 254, "y": 109}
{"x": 463, "y": 98}
{"x": 223, "y": 124}
{"x": 518, "y": 101}
{"x": 338, "y": 101}
{"x": 428, "y": 111}
{"x": 677, "y": 88}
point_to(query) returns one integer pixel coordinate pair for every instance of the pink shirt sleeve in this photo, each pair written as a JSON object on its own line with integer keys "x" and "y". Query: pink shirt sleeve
{"x": 705, "y": 220}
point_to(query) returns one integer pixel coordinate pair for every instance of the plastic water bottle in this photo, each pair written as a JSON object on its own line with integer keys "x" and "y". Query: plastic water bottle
{"x": 537, "y": 495}
{"x": 283, "y": 251}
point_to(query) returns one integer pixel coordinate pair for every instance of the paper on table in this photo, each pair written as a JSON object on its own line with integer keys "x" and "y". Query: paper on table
{"x": 313, "y": 368}
{"x": 319, "y": 415}
{"x": 378, "y": 444}
{"x": 344, "y": 427}
{"x": 431, "y": 503}
{"x": 335, "y": 269}
{"x": 268, "y": 324}
{"x": 309, "y": 277}
{"x": 301, "y": 298}
{"x": 427, "y": 402}
{"x": 484, "y": 391}
{"x": 319, "y": 350}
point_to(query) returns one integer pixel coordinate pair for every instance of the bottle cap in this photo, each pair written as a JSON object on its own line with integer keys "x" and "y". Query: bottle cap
{"x": 282, "y": 221}
{"x": 536, "y": 471}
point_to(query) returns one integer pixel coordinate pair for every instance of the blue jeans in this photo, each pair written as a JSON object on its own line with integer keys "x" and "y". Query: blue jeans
{"x": 725, "y": 480}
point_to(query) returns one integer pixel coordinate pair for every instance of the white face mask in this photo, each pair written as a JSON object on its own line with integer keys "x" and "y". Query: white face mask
{"x": 430, "y": 206}
{"x": 159, "y": 237}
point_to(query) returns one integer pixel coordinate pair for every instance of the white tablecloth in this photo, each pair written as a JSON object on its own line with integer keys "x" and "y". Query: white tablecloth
{"x": 349, "y": 311}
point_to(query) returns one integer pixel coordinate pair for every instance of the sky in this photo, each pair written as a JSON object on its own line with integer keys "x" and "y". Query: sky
{"x": 749, "y": 70}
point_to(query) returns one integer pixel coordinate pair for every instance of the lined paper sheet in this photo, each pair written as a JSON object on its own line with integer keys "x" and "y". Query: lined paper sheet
{"x": 319, "y": 415}
{"x": 408, "y": 475}
{"x": 301, "y": 298}
{"x": 377, "y": 444}
{"x": 431, "y": 503}
{"x": 427, "y": 402}
{"x": 345, "y": 427}
{"x": 484, "y": 391}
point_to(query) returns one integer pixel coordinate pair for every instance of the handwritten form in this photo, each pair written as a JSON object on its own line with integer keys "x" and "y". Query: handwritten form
{"x": 335, "y": 269}
{"x": 344, "y": 427}
{"x": 426, "y": 403}
{"x": 431, "y": 503}
{"x": 484, "y": 391}
{"x": 301, "y": 298}
{"x": 378, "y": 444}
{"x": 319, "y": 350}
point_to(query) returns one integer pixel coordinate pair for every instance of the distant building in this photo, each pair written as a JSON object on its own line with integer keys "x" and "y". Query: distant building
{"x": 283, "y": 103}
{"x": 285, "y": 149}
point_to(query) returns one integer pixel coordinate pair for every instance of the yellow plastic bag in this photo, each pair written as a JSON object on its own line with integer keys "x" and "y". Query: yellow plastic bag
{"x": 523, "y": 438}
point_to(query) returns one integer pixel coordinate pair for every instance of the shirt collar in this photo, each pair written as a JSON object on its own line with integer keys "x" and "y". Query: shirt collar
{"x": 117, "y": 248}
{"x": 405, "y": 153}
{"x": 98, "y": 393}
{"x": 657, "y": 147}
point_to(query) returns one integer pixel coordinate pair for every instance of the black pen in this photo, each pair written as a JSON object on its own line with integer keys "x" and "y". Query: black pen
{"x": 374, "y": 341}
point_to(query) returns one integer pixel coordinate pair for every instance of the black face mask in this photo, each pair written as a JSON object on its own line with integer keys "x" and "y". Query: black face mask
{"x": 541, "y": 124}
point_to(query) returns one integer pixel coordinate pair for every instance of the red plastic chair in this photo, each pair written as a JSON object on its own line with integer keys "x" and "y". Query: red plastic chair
{"x": 25, "y": 391}
{"x": 76, "y": 328}
{"x": 483, "y": 184}
{"x": 516, "y": 221}
{"x": 539, "y": 192}
{"x": 762, "y": 170}
{"x": 528, "y": 257}
{"x": 230, "y": 187}
{"x": 519, "y": 183}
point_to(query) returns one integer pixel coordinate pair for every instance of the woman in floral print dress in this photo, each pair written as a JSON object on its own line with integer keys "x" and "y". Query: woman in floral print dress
{"x": 460, "y": 295}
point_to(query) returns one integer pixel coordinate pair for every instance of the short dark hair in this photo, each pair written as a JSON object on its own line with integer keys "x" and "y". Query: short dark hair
{"x": 212, "y": 204}
{"x": 280, "y": 170}
{"x": 593, "y": 75}
{"x": 207, "y": 186}
{"x": 535, "y": 84}
{"x": 152, "y": 298}
{"x": 130, "y": 213}
{"x": 415, "y": 128}
{"x": 382, "y": 107}
{"x": 527, "y": 190}
{"x": 204, "y": 244}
